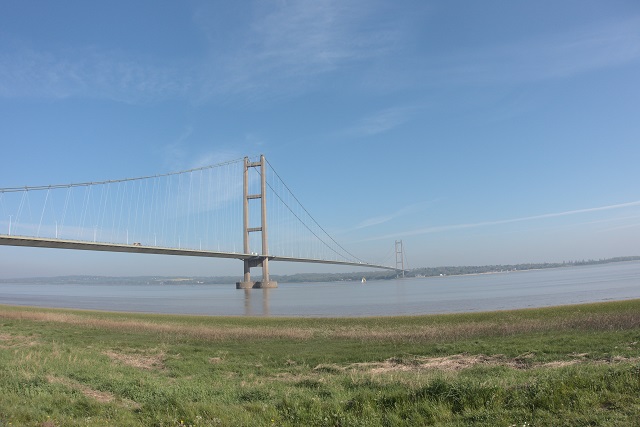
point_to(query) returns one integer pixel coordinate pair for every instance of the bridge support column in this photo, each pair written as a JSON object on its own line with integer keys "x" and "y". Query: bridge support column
{"x": 258, "y": 260}
{"x": 246, "y": 280}
{"x": 266, "y": 281}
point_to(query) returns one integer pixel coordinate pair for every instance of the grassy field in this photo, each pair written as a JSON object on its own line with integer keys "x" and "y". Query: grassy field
{"x": 564, "y": 366}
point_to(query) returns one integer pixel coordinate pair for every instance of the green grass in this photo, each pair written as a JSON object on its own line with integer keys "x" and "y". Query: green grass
{"x": 572, "y": 365}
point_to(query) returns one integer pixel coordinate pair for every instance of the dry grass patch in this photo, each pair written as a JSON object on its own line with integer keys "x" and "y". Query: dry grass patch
{"x": 455, "y": 362}
{"x": 202, "y": 332}
{"x": 502, "y": 327}
{"x": 138, "y": 360}
{"x": 458, "y": 362}
{"x": 99, "y": 396}
{"x": 15, "y": 341}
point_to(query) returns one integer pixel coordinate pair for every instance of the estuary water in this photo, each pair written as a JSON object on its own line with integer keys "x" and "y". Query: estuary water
{"x": 411, "y": 296}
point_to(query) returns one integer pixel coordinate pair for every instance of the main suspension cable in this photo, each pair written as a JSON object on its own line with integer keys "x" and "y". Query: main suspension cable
{"x": 310, "y": 216}
{"x": 111, "y": 181}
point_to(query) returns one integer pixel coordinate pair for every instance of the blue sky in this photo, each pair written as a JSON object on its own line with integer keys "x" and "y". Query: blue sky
{"x": 477, "y": 132}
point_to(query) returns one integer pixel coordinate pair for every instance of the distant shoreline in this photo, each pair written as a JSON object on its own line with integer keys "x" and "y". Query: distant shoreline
{"x": 319, "y": 277}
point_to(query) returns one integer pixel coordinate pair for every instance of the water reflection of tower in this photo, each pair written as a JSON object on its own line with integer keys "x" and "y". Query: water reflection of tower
{"x": 247, "y": 303}
{"x": 249, "y": 310}
{"x": 265, "y": 301}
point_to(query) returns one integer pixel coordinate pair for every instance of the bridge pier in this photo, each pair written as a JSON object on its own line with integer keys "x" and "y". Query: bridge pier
{"x": 246, "y": 280}
{"x": 257, "y": 285}
{"x": 245, "y": 285}
{"x": 269, "y": 284}
{"x": 265, "y": 283}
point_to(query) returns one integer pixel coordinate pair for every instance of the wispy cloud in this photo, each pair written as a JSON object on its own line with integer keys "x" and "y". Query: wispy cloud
{"x": 443, "y": 228}
{"x": 175, "y": 153}
{"x": 370, "y": 222}
{"x": 622, "y": 227}
{"x": 179, "y": 154}
{"x": 214, "y": 157}
{"x": 273, "y": 48}
{"x": 547, "y": 57}
{"x": 381, "y": 121}
{"x": 552, "y": 55}
{"x": 87, "y": 72}
{"x": 288, "y": 44}
{"x": 635, "y": 223}
{"x": 284, "y": 48}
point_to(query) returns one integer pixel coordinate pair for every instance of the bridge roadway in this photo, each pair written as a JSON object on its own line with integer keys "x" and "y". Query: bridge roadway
{"x": 39, "y": 242}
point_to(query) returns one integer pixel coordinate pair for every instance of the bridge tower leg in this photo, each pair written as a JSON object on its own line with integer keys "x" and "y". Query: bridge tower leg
{"x": 399, "y": 257}
{"x": 263, "y": 259}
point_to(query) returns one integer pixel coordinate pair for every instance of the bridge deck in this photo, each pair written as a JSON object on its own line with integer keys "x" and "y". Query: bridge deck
{"x": 40, "y": 242}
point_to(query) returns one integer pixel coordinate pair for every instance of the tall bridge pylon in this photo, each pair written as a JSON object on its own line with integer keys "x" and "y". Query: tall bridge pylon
{"x": 263, "y": 259}
{"x": 399, "y": 258}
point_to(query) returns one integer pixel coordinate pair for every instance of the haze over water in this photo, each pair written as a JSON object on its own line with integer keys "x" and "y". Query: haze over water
{"x": 452, "y": 294}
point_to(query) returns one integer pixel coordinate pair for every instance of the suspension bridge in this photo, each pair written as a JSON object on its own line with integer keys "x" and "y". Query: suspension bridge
{"x": 199, "y": 212}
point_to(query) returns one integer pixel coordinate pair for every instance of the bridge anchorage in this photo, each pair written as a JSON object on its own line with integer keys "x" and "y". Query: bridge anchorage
{"x": 197, "y": 212}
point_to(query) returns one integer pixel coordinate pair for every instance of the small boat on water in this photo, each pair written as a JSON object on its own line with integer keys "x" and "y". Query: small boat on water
{"x": 364, "y": 280}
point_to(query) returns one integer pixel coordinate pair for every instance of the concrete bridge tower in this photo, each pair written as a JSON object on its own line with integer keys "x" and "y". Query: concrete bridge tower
{"x": 261, "y": 260}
